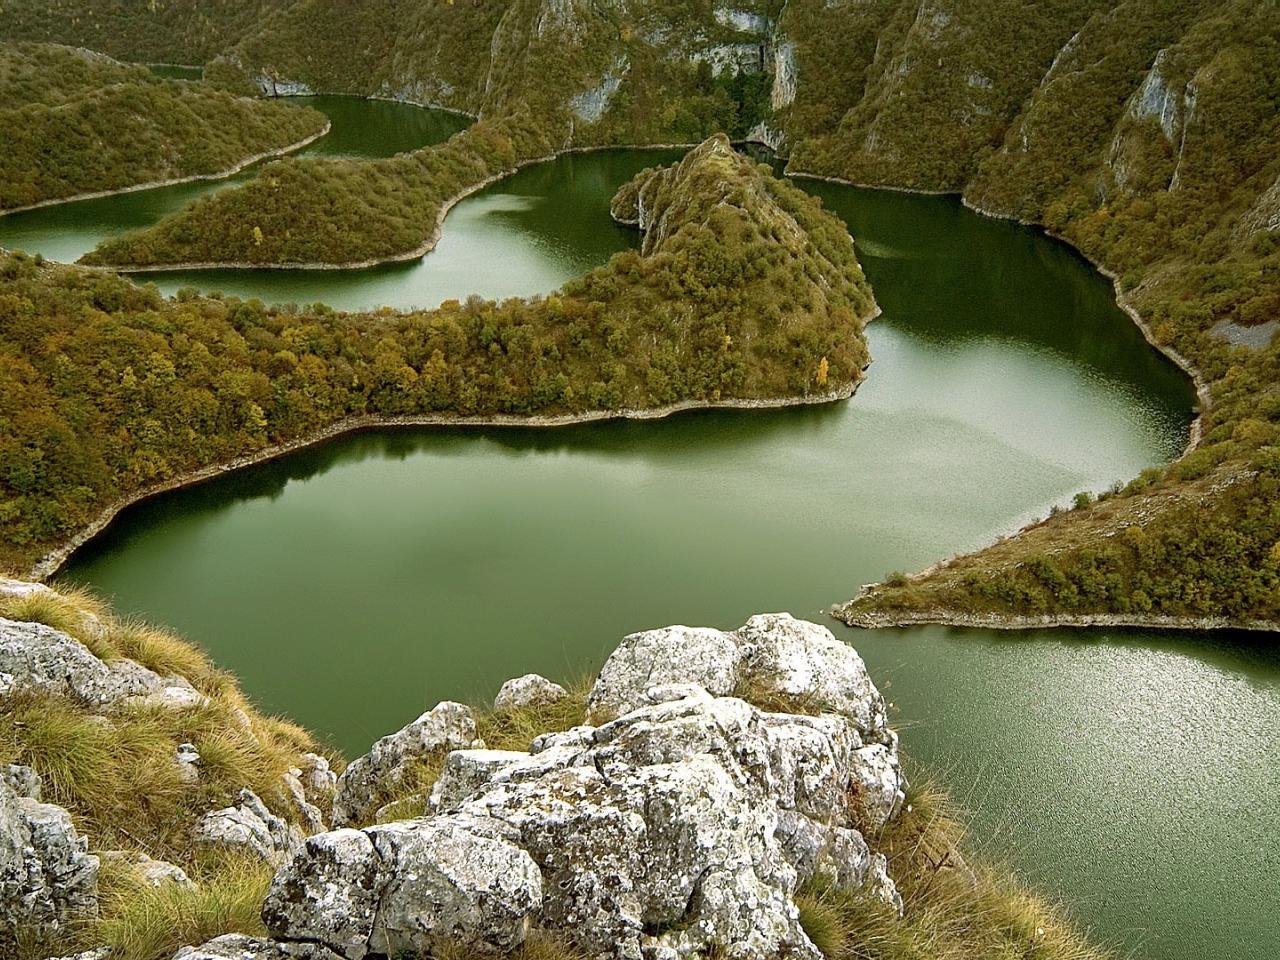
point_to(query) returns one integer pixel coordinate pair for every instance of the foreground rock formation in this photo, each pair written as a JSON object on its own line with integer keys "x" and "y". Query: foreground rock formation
{"x": 681, "y": 820}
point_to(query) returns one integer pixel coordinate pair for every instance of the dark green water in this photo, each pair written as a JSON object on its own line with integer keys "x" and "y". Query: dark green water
{"x": 352, "y": 585}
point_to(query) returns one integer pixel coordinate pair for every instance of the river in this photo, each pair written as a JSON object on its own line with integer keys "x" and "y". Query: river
{"x": 354, "y": 584}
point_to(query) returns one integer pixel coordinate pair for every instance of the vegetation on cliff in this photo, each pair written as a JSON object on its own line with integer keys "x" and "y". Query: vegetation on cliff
{"x": 748, "y": 290}
{"x": 1146, "y": 134}
{"x": 1152, "y": 144}
{"x": 77, "y": 122}
{"x": 308, "y": 210}
{"x": 113, "y": 768}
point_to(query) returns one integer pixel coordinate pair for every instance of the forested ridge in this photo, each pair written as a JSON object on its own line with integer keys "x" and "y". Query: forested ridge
{"x": 1144, "y": 133}
{"x": 75, "y": 122}
{"x": 106, "y": 388}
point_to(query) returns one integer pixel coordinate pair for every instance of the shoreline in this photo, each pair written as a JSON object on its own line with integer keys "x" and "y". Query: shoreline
{"x": 176, "y": 181}
{"x": 1204, "y": 402}
{"x": 53, "y": 561}
{"x": 417, "y": 253}
{"x": 876, "y": 620}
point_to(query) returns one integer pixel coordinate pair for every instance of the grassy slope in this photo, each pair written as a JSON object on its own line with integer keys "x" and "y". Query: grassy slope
{"x": 74, "y": 122}
{"x": 120, "y": 784}
{"x": 107, "y": 389}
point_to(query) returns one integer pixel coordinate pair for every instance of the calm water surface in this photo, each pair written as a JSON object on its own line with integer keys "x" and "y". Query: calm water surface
{"x": 353, "y": 585}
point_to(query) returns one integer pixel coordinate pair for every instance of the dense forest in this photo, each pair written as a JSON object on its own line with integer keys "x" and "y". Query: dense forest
{"x": 749, "y": 290}
{"x": 75, "y": 122}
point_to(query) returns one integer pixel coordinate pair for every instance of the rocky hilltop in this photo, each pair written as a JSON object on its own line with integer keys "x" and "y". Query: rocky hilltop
{"x": 712, "y": 793}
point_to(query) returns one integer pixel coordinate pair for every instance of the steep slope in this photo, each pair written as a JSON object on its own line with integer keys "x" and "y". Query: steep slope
{"x": 1146, "y": 134}
{"x": 173, "y": 31}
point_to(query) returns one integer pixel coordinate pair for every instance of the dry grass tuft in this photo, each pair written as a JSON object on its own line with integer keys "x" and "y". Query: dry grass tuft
{"x": 954, "y": 911}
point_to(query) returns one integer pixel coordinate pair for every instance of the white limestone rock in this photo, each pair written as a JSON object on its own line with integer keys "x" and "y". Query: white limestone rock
{"x": 318, "y": 780}
{"x": 250, "y": 826}
{"x": 406, "y": 889}
{"x": 154, "y": 873}
{"x": 699, "y": 655}
{"x": 772, "y": 654}
{"x": 237, "y": 946}
{"x": 367, "y": 781}
{"x": 39, "y": 658}
{"x": 531, "y": 690}
{"x": 23, "y": 781}
{"x": 187, "y": 757}
{"x": 47, "y": 876}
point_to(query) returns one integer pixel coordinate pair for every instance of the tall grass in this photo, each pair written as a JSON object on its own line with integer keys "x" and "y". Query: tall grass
{"x": 953, "y": 909}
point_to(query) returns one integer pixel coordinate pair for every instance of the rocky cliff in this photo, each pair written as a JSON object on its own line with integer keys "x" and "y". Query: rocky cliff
{"x": 712, "y": 793}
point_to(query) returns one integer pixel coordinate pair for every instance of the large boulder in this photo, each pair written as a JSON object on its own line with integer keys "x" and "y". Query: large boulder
{"x": 409, "y": 888}
{"x": 773, "y": 656}
{"x": 369, "y": 780}
{"x": 47, "y": 876}
{"x": 531, "y": 690}
{"x": 35, "y": 657}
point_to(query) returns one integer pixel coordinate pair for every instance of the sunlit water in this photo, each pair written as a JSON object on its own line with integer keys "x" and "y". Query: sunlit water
{"x": 352, "y": 585}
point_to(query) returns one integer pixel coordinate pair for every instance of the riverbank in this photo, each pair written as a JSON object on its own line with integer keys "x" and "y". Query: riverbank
{"x": 177, "y": 181}
{"x": 879, "y": 620}
{"x": 415, "y": 254}
{"x": 52, "y": 562}
{"x": 945, "y": 616}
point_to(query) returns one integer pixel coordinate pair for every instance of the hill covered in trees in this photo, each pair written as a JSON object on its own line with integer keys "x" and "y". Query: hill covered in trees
{"x": 749, "y": 291}
{"x": 1145, "y": 133}
{"x": 75, "y": 122}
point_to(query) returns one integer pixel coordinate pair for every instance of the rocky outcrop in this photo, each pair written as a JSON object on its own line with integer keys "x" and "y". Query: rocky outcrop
{"x": 531, "y": 690}
{"x": 237, "y": 946}
{"x": 47, "y": 876}
{"x": 250, "y": 827}
{"x": 771, "y": 656}
{"x": 590, "y": 105}
{"x": 35, "y": 657}
{"x": 367, "y": 782}
{"x": 683, "y": 821}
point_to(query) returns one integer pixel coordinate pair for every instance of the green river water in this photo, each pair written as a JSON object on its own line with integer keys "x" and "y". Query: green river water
{"x": 354, "y": 584}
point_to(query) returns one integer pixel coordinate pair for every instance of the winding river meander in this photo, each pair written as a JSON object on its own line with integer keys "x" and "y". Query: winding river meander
{"x": 353, "y": 584}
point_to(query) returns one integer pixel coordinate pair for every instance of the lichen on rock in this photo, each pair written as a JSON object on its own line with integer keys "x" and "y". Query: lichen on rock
{"x": 683, "y": 820}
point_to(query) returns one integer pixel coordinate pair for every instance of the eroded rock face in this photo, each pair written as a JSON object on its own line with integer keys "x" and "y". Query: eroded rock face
{"x": 771, "y": 655}
{"x": 39, "y": 658}
{"x": 367, "y": 781}
{"x": 407, "y": 888}
{"x": 237, "y": 946}
{"x": 47, "y": 877}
